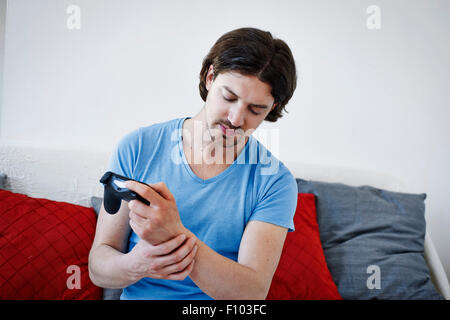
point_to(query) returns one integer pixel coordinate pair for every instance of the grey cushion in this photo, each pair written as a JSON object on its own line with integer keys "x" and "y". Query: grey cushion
{"x": 96, "y": 203}
{"x": 373, "y": 240}
{"x": 2, "y": 181}
{"x": 111, "y": 294}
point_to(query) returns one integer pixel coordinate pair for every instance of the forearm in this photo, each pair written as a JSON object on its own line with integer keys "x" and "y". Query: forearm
{"x": 224, "y": 279}
{"x": 108, "y": 268}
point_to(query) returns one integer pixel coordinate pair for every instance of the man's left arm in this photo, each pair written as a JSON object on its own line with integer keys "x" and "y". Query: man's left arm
{"x": 250, "y": 277}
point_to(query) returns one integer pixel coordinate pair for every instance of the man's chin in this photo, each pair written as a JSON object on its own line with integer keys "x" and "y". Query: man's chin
{"x": 232, "y": 141}
{"x": 229, "y": 142}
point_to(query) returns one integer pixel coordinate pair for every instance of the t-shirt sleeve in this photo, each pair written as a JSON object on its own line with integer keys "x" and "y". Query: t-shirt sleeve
{"x": 278, "y": 203}
{"x": 123, "y": 158}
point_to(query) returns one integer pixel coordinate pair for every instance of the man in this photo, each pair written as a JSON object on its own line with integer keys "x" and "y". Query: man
{"x": 221, "y": 204}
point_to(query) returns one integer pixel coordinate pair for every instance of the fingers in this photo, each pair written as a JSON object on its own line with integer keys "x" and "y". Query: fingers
{"x": 139, "y": 207}
{"x": 179, "y": 255}
{"x": 162, "y": 189}
{"x": 169, "y": 246}
{"x": 138, "y": 222}
{"x": 139, "y": 212}
{"x": 137, "y": 217}
{"x": 136, "y": 228}
{"x": 145, "y": 191}
{"x": 180, "y": 266}
{"x": 173, "y": 259}
{"x": 178, "y": 263}
{"x": 182, "y": 274}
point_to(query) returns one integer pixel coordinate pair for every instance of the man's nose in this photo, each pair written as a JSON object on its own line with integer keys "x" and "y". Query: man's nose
{"x": 236, "y": 115}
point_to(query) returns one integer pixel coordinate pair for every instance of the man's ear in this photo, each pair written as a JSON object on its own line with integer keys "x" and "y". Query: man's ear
{"x": 274, "y": 106}
{"x": 209, "y": 77}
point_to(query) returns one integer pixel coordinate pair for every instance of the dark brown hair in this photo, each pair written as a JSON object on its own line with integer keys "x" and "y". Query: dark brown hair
{"x": 251, "y": 51}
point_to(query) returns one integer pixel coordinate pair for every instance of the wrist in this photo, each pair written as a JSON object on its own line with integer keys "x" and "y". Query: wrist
{"x": 190, "y": 235}
{"x": 187, "y": 232}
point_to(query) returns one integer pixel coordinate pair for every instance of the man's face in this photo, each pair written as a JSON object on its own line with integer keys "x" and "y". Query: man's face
{"x": 235, "y": 106}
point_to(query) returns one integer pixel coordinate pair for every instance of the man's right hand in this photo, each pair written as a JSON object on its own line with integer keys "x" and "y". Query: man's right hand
{"x": 172, "y": 260}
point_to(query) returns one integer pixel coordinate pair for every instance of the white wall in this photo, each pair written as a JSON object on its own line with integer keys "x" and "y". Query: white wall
{"x": 2, "y": 46}
{"x": 375, "y": 100}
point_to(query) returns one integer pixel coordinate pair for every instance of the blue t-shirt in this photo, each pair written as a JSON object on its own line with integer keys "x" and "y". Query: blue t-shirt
{"x": 256, "y": 186}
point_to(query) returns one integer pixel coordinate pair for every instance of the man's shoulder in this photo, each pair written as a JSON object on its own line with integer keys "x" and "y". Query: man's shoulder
{"x": 158, "y": 131}
{"x": 161, "y": 126}
{"x": 154, "y": 132}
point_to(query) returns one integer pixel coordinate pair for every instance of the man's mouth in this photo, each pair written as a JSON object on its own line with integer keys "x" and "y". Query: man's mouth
{"x": 227, "y": 131}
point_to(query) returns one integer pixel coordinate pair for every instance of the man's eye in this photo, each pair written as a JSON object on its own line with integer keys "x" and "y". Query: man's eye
{"x": 251, "y": 109}
{"x": 255, "y": 113}
{"x": 230, "y": 100}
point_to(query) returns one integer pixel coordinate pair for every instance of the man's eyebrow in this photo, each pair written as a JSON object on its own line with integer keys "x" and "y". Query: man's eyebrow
{"x": 262, "y": 106}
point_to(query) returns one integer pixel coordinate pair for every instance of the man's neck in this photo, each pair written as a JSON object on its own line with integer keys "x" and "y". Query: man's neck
{"x": 201, "y": 147}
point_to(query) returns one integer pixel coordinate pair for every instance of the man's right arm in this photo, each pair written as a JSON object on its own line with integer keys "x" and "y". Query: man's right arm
{"x": 107, "y": 258}
{"x": 111, "y": 267}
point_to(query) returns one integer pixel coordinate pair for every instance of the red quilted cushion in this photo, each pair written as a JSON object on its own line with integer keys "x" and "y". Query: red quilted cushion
{"x": 44, "y": 248}
{"x": 302, "y": 272}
